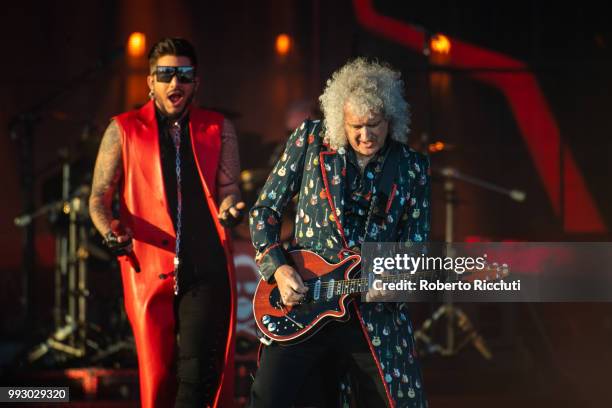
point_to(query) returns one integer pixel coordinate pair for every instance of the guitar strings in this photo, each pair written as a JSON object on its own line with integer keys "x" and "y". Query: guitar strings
{"x": 348, "y": 283}
{"x": 364, "y": 281}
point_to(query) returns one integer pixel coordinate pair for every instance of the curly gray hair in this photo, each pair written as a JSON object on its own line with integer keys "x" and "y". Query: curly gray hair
{"x": 367, "y": 87}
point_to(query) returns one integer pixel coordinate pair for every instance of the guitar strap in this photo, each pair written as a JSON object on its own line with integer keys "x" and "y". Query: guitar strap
{"x": 379, "y": 202}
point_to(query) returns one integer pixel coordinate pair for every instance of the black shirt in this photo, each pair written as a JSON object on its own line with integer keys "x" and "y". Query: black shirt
{"x": 201, "y": 253}
{"x": 360, "y": 188}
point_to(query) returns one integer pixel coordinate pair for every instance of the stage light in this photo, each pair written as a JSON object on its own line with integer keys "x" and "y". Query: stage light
{"x": 440, "y": 44}
{"x": 437, "y": 147}
{"x": 137, "y": 44}
{"x": 283, "y": 44}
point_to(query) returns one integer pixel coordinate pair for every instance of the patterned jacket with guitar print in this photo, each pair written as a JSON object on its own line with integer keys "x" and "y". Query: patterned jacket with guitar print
{"x": 314, "y": 172}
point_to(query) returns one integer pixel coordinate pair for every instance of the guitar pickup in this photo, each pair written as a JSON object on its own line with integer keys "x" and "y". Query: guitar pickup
{"x": 330, "y": 289}
{"x": 317, "y": 290}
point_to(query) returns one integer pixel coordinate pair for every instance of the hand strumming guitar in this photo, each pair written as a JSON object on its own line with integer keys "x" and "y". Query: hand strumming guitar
{"x": 290, "y": 285}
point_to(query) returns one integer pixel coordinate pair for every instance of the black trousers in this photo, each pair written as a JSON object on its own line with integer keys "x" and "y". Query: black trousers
{"x": 308, "y": 373}
{"x": 202, "y": 315}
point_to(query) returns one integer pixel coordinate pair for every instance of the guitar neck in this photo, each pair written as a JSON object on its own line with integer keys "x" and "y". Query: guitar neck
{"x": 330, "y": 287}
{"x": 362, "y": 285}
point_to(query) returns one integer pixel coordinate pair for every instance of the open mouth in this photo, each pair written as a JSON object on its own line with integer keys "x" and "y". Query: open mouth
{"x": 175, "y": 98}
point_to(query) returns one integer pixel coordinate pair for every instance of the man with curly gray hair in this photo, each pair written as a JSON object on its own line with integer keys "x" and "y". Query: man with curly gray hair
{"x": 364, "y": 88}
{"x": 356, "y": 181}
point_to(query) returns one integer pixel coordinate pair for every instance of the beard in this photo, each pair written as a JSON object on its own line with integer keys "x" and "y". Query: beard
{"x": 177, "y": 115}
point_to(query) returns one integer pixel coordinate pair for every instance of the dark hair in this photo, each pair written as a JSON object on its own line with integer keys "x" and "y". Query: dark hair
{"x": 172, "y": 46}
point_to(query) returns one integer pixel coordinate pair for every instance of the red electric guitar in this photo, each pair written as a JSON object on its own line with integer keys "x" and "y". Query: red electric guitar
{"x": 329, "y": 290}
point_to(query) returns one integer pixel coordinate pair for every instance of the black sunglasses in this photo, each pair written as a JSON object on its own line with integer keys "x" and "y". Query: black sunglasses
{"x": 184, "y": 75}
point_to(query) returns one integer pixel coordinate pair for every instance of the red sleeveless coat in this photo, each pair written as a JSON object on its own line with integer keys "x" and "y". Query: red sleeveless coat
{"x": 149, "y": 299}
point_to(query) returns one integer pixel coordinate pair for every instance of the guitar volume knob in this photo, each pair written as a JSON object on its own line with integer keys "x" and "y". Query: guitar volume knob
{"x": 272, "y": 327}
{"x": 265, "y": 319}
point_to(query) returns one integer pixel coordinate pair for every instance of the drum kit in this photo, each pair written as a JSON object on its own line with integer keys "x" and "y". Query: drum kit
{"x": 85, "y": 327}
{"x": 89, "y": 324}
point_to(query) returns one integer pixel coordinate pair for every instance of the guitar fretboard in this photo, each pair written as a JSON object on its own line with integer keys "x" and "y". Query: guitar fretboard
{"x": 362, "y": 285}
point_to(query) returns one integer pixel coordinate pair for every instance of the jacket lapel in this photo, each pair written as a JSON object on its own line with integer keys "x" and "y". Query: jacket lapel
{"x": 150, "y": 158}
{"x": 333, "y": 170}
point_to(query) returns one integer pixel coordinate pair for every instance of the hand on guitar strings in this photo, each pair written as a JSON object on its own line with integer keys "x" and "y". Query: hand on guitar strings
{"x": 290, "y": 284}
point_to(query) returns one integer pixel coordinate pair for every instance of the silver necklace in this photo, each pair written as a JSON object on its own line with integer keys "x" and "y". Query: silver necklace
{"x": 175, "y": 132}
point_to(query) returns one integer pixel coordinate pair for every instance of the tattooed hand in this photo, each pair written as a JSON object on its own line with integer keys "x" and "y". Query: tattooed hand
{"x": 119, "y": 239}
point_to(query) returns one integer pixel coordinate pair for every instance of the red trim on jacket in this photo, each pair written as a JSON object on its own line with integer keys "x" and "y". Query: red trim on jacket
{"x": 329, "y": 198}
{"x": 391, "y": 197}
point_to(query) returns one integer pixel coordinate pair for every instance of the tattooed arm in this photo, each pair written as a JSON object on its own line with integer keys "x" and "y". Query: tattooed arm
{"x": 230, "y": 206}
{"x": 228, "y": 174}
{"x": 107, "y": 173}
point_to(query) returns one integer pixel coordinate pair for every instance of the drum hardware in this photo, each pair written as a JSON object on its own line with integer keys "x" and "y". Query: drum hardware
{"x": 457, "y": 319}
{"x": 73, "y": 335}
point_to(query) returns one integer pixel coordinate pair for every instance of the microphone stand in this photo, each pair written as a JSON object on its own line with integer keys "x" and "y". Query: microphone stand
{"x": 455, "y": 317}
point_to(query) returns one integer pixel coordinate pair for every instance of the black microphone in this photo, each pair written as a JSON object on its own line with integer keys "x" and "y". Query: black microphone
{"x": 118, "y": 230}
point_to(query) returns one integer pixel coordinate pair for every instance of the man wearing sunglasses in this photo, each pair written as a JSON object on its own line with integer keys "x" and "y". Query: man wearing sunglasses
{"x": 176, "y": 169}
